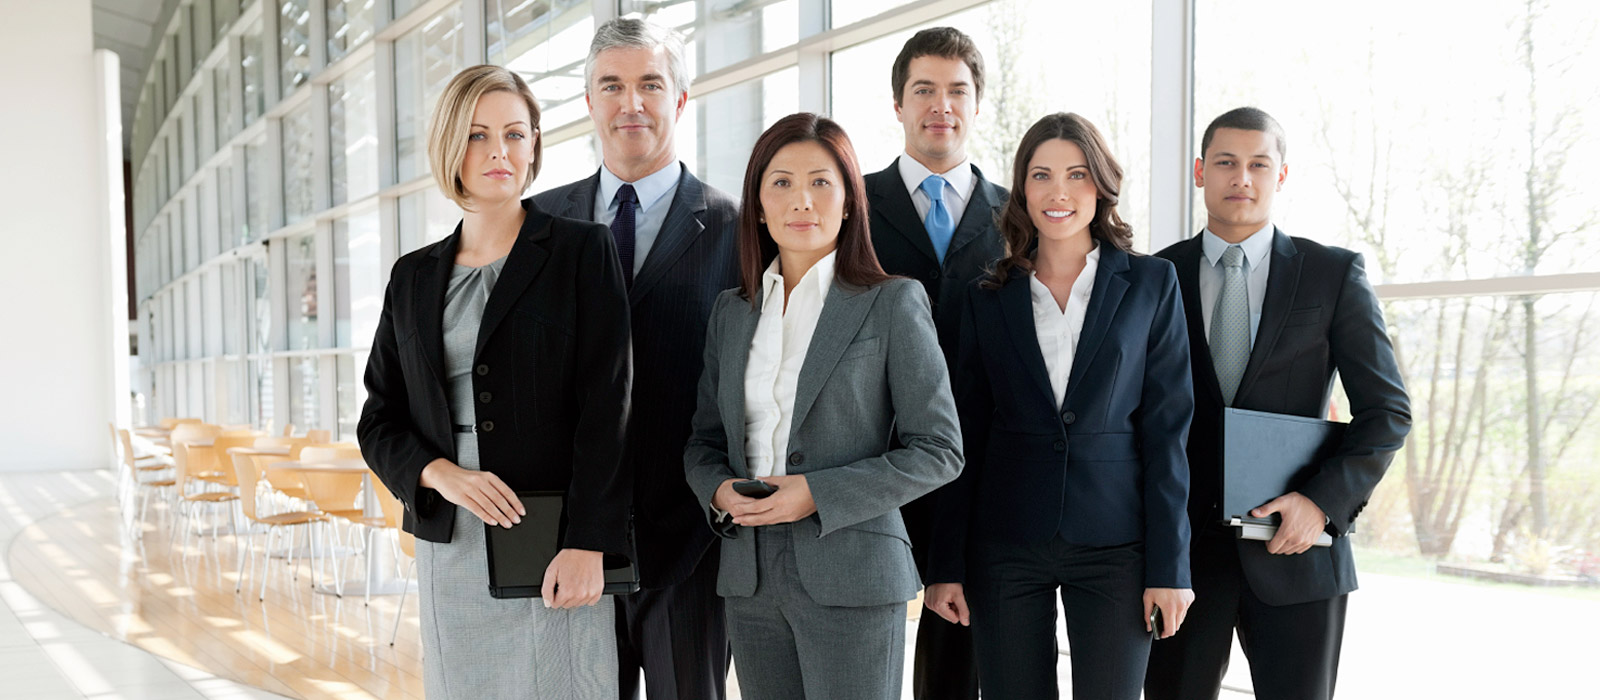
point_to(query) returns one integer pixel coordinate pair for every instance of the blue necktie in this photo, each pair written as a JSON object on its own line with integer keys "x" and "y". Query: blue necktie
{"x": 1230, "y": 325}
{"x": 622, "y": 230}
{"x": 940, "y": 227}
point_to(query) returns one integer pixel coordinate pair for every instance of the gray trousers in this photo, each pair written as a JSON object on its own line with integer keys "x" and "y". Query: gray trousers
{"x": 786, "y": 646}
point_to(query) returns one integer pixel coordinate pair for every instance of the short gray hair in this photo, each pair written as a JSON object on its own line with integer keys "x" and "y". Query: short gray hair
{"x": 637, "y": 33}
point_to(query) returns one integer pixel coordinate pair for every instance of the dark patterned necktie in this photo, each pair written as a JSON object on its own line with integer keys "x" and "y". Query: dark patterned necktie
{"x": 622, "y": 230}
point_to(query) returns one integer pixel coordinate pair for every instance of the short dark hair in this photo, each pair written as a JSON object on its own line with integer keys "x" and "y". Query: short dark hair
{"x": 944, "y": 42}
{"x": 1017, "y": 232}
{"x": 1249, "y": 119}
{"x": 856, "y": 263}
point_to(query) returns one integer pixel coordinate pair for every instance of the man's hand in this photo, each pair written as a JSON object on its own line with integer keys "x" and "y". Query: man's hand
{"x": 949, "y": 600}
{"x": 481, "y": 492}
{"x": 792, "y": 502}
{"x": 1303, "y": 523}
{"x": 575, "y": 578}
{"x": 1174, "y": 604}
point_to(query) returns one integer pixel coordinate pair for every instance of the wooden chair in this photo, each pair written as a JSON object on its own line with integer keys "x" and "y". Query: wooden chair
{"x": 284, "y": 482}
{"x": 135, "y": 465}
{"x": 249, "y": 468}
{"x": 288, "y": 430}
{"x": 408, "y": 544}
{"x": 319, "y": 436}
{"x": 196, "y": 462}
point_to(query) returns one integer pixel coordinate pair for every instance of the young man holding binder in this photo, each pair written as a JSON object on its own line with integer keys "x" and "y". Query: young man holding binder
{"x": 1271, "y": 320}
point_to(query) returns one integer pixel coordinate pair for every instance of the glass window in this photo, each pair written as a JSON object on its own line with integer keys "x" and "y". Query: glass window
{"x": 185, "y": 42}
{"x": 426, "y": 217}
{"x": 353, "y": 121}
{"x": 401, "y": 7}
{"x": 304, "y": 393}
{"x": 349, "y": 24}
{"x": 301, "y": 293}
{"x": 227, "y": 231}
{"x": 547, "y": 43}
{"x": 233, "y": 392}
{"x": 352, "y": 393}
{"x": 255, "y": 192}
{"x": 260, "y": 291}
{"x": 194, "y": 321}
{"x": 208, "y": 211}
{"x": 222, "y": 99}
{"x": 294, "y": 43}
{"x": 261, "y": 392}
{"x": 175, "y": 238}
{"x": 223, "y": 13}
{"x": 357, "y": 278}
{"x": 255, "y": 94}
{"x": 575, "y": 159}
{"x": 188, "y": 125}
{"x": 299, "y": 185}
{"x": 846, "y": 12}
{"x": 174, "y": 157}
{"x": 425, "y": 60}
{"x": 722, "y": 34}
{"x": 232, "y": 303}
{"x": 190, "y": 212}
{"x": 210, "y": 319}
{"x": 722, "y": 127}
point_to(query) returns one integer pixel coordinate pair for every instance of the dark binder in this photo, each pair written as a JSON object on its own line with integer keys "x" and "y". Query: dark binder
{"x": 1266, "y": 455}
{"x": 519, "y": 555}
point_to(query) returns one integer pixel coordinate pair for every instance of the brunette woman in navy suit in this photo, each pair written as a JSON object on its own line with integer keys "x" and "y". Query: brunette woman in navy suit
{"x": 1073, "y": 386}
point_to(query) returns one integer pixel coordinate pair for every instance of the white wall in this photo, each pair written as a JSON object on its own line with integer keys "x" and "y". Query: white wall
{"x": 55, "y": 377}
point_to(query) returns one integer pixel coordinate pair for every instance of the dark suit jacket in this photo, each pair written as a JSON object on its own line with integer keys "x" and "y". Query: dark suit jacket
{"x": 551, "y": 375}
{"x": 1108, "y": 466}
{"x": 695, "y": 257}
{"x": 901, "y": 242}
{"x": 1319, "y": 315}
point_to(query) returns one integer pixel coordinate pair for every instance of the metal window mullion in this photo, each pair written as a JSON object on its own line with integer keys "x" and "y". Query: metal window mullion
{"x": 383, "y": 71}
{"x": 475, "y": 28}
{"x": 327, "y": 301}
{"x": 816, "y": 89}
{"x": 271, "y": 65}
{"x": 1171, "y": 120}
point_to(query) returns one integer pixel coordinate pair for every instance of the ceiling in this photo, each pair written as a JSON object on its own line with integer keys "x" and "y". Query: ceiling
{"x": 129, "y": 28}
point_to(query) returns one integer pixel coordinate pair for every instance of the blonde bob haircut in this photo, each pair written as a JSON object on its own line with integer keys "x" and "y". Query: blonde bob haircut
{"x": 451, "y": 126}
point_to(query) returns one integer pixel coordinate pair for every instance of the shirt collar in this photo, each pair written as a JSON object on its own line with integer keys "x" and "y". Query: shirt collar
{"x": 1256, "y": 247}
{"x": 913, "y": 172}
{"x": 1091, "y": 264}
{"x": 649, "y": 189}
{"x": 817, "y": 280}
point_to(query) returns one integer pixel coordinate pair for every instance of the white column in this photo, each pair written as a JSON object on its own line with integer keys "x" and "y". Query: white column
{"x": 1171, "y": 120}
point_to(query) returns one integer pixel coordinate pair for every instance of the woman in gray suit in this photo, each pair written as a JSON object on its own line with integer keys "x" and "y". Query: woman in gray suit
{"x": 814, "y": 366}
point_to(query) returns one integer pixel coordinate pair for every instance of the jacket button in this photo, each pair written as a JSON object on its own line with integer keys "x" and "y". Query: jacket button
{"x": 485, "y": 397}
{"x": 487, "y": 426}
{"x": 482, "y": 370}
{"x": 796, "y": 458}
{"x": 1069, "y": 418}
{"x": 934, "y": 275}
{"x": 1061, "y": 445}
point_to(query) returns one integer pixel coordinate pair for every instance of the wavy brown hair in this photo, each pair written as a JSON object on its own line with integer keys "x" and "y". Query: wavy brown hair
{"x": 1017, "y": 231}
{"x": 856, "y": 263}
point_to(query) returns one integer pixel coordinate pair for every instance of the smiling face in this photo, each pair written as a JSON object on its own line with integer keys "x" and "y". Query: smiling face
{"x": 635, "y": 108}
{"x": 803, "y": 199}
{"x": 1059, "y": 192}
{"x": 499, "y": 149}
{"x": 937, "y": 105}
{"x": 1240, "y": 173}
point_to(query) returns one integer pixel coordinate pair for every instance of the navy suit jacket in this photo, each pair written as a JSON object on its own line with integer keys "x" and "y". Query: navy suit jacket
{"x": 693, "y": 259}
{"x": 1105, "y": 468}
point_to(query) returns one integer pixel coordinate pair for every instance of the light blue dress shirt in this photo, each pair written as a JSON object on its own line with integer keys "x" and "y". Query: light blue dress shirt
{"x": 1257, "y": 262}
{"x": 655, "y": 191}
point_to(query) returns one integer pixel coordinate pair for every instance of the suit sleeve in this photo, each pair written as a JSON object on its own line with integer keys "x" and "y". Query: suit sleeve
{"x": 601, "y": 493}
{"x": 1380, "y": 411}
{"x": 386, "y": 433}
{"x": 705, "y": 457}
{"x": 1166, "y": 407}
{"x": 947, "y": 549}
{"x": 925, "y": 421}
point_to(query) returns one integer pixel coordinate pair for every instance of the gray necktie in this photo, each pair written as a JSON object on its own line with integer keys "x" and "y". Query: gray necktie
{"x": 1230, "y": 325}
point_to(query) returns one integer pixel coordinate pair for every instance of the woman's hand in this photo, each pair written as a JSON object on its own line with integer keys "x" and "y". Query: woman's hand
{"x": 949, "y": 600}
{"x": 1174, "y": 604}
{"x": 726, "y": 498}
{"x": 481, "y": 492}
{"x": 575, "y": 578}
{"x": 792, "y": 502}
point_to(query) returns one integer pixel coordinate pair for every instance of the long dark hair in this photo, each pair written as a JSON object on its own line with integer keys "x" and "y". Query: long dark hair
{"x": 1016, "y": 227}
{"x": 855, "y": 263}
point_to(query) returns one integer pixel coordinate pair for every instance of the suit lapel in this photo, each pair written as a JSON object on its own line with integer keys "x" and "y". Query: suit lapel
{"x": 893, "y": 202}
{"x": 580, "y": 200}
{"x": 1282, "y": 282}
{"x": 430, "y": 284}
{"x": 1187, "y": 261}
{"x": 1016, "y": 306}
{"x": 526, "y": 259}
{"x": 681, "y": 227}
{"x": 1110, "y": 284}
{"x": 842, "y": 315}
{"x": 979, "y": 215}
{"x": 735, "y": 358}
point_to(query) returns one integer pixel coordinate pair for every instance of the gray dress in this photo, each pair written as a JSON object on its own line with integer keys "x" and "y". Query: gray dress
{"x": 474, "y": 645}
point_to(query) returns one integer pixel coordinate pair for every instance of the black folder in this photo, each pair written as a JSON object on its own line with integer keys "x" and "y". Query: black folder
{"x": 519, "y": 555}
{"x": 1266, "y": 455}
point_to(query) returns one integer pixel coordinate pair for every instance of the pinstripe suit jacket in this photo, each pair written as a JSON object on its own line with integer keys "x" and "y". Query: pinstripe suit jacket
{"x": 693, "y": 259}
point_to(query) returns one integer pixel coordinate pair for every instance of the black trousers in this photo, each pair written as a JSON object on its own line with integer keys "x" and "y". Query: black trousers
{"x": 679, "y": 636}
{"x": 1011, "y": 590}
{"x": 1293, "y": 650}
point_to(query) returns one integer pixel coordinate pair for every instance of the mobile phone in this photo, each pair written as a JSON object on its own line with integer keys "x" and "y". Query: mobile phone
{"x": 1157, "y": 625}
{"x": 754, "y": 488}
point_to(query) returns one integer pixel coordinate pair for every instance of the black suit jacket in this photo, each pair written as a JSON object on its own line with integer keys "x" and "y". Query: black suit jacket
{"x": 903, "y": 248}
{"x": 551, "y": 373}
{"x": 693, "y": 259}
{"x": 1108, "y": 466}
{"x": 1319, "y": 316}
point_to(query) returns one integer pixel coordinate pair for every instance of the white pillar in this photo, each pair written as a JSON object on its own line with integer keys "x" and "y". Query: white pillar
{"x": 1171, "y": 120}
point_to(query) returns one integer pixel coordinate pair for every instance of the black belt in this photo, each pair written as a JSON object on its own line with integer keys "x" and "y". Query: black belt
{"x": 466, "y": 428}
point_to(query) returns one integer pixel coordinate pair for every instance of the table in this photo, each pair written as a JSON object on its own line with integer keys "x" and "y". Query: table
{"x": 260, "y": 451}
{"x": 377, "y": 581}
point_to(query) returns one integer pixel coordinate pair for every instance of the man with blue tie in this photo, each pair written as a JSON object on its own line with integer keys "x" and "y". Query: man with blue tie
{"x": 933, "y": 221}
{"x": 675, "y": 240}
{"x": 1271, "y": 319}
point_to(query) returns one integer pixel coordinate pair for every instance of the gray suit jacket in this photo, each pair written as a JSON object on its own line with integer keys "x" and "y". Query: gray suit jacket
{"x": 873, "y": 370}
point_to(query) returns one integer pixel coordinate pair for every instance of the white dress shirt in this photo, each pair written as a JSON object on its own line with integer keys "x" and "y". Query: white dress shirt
{"x": 777, "y": 351}
{"x": 1058, "y": 329}
{"x": 958, "y": 187}
{"x": 1257, "y": 261}
{"x": 655, "y": 192}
